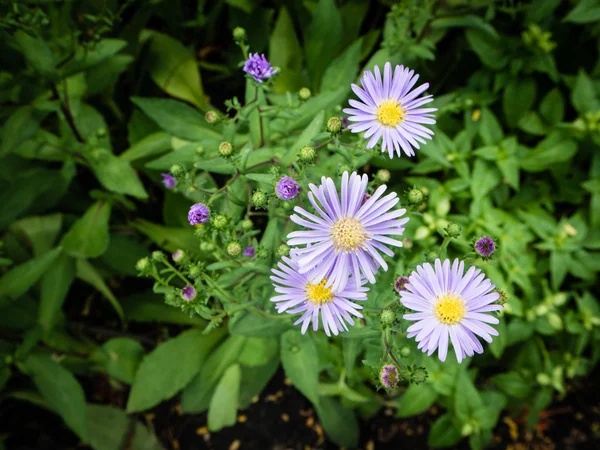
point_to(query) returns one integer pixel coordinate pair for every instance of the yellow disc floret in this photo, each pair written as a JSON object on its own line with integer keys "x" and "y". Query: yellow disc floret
{"x": 318, "y": 293}
{"x": 450, "y": 309}
{"x": 348, "y": 234}
{"x": 390, "y": 113}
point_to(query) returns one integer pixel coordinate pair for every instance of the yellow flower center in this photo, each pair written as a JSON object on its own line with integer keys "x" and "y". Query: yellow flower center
{"x": 450, "y": 309}
{"x": 390, "y": 113}
{"x": 348, "y": 234}
{"x": 318, "y": 293}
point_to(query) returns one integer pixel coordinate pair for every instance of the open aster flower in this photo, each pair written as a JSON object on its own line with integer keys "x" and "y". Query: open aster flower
{"x": 300, "y": 295}
{"x": 451, "y": 306}
{"x": 349, "y": 233}
{"x": 390, "y": 111}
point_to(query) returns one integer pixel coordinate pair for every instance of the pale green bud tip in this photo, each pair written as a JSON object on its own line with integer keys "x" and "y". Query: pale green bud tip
{"x": 195, "y": 272}
{"x": 158, "y": 256}
{"x": 219, "y": 221}
{"x": 143, "y": 265}
{"x": 259, "y": 199}
{"x": 225, "y": 149}
{"x": 239, "y": 34}
{"x": 334, "y": 125}
{"x": 283, "y": 250}
{"x": 344, "y": 168}
{"x": 234, "y": 248}
{"x": 207, "y": 246}
{"x": 453, "y": 230}
{"x": 383, "y": 175}
{"x": 247, "y": 224}
{"x": 387, "y": 317}
{"x": 304, "y": 93}
{"x": 418, "y": 375}
{"x": 178, "y": 255}
{"x": 177, "y": 170}
{"x": 211, "y": 117}
{"x": 415, "y": 196}
{"x": 307, "y": 154}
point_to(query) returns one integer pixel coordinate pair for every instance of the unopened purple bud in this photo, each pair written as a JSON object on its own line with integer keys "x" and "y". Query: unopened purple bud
{"x": 389, "y": 376}
{"x": 258, "y": 67}
{"x": 366, "y": 198}
{"x": 178, "y": 255}
{"x": 199, "y": 213}
{"x": 485, "y": 246}
{"x": 168, "y": 180}
{"x": 249, "y": 251}
{"x": 188, "y": 293}
{"x": 400, "y": 284}
{"x": 286, "y": 188}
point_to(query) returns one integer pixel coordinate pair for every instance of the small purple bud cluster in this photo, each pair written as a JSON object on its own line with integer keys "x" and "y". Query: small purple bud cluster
{"x": 258, "y": 67}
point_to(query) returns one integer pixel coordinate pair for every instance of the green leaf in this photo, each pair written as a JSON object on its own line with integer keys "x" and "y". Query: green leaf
{"x": 305, "y": 138}
{"x": 258, "y": 351}
{"x": 518, "y": 98}
{"x": 586, "y": 11}
{"x": 86, "y": 58}
{"x": 343, "y": 70}
{"x": 116, "y": 174}
{"x": 498, "y": 345}
{"x": 488, "y": 49}
{"x": 103, "y": 79}
{"x": 88, "y": 237}
{"x": 531, "y": 123}
{"x": 217, "y": 165}
{"x": 123, "y": 253}
{"x": 285, "y": 52}
{"x": 255, "y": 379}
{"x": 259, "y": 127}
{"x": 443, "y": 433}
{"x": 19, "y": 279}
{"x": 151, "y": 145}
{"x": 176, "y": 118}
{"x": 351, "y": 350}
{"x": 465, "y": 21}
{"x": 466, "y": 397}
{"x": 545, "y": 155}
{"x": 322, "y": 39}
{"x": 489, "y": 128}
{"x": 552, "y": 107}
{"x": 197, "y": 394}
{"x": 306, "y": 111}
{"x": 88, "y": 273}
{"x": 168, "y": 238}
{"x": 169, "y": 368}
{"x": 175, "y": 70}
{"x": 339, "y": 423}
{"x": 40, "y": 230}
{"x": 54, "y": 288}
{"x": 150, "y": 307}
{"x": 62, "y": 391}
{"x": 272, "y": 235}
{"x": 583, "y": 95}
{"x": 107, "y": 427}
{"x": 484, "y": 179}
{"x": 301, "y": 363}
{"x": 120, "y": 357}
{"x": 254, "y": 325}
{"x": 20, "y": 126}
{"x": 37, "y": 52}
{"x": 362, "y": 333}
{"x": 144, "y": 439}
{"x": 222, "y": 411}
{"x": 513, "y": 384}
{"x": 559, "y": 266}
{"x": 417, "y": 399}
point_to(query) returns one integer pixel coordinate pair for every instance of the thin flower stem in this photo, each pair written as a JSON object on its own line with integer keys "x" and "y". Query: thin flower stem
{"x": 177, "y": 272}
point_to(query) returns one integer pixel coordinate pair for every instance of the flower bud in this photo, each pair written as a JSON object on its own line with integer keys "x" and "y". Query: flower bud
{"x": 207, "y": 246}
{"x": 400, "y": 284}
{"x": 239, "y": 34}
{"x": 283, "y": 250}
{"x": 344, "y": 168}
{"x": 262, "y": 253}
{"x": 453, "y": 230}
{"x": 388, "y": 376}
{"x": 259, "y": 199}
{"x": 196, "y": 271}
{"x": 418, "y": 375}
{"x": 225, "y": 149}
{"x": 234, "y": 248}
{"x": 387, "y": 317}
{"x": 485, "y": 247}
{"x": 415, "y": 197}
{"x": 178, "y": 255}
{"x": 405, "y": 351}
{"x": 307, "y": 154}
{"x": 177, "y": 170}
{"x": 144, "y": 266}
{"x": 247, "y": 224}
{"x": 383, "y": 175}
{"x": 188, "y": 293}
{"x": 304, "y": 93}
{"x": 249, "y": 251}
{"x": 219, "y": 221}
{"x": 158, "y": 256}
{"x": 211, "y": 117}
{"x": 334, "y": 125}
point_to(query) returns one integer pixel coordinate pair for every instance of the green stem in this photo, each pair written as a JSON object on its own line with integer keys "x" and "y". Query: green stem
{"x": 444, "y": 247}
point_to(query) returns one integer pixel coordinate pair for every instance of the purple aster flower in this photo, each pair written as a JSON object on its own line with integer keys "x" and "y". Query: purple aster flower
{"x": 249, "y": 251}
{"x": 346, "y": 236}
{"x": 188, "y": 293}
{"x": 258, "y": 67}
{"x": 298, "y": 294}
{"x": 390, "y": 111}
{"x": 400, "y": 284}
{"x": 199, "y": 213}
{"x": 485, "y": 246}
{"x": 389, "y": 376}
{"x": 286, "y": 188}
{"x": 451, "y": 306}
{"x": 168, "y": 180}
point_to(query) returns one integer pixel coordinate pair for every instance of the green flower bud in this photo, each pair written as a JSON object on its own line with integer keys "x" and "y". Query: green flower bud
{"x": 219, "y": 221}
{"x": 453, "y": 230}
{"x": 170, "y": 298}
{"x": 177, "y": 170}
{"x": 304, "y": 93}
{"x": 234, "y": 248}
{"x": 239, "y": 34}
{"x": 259, "y": 199}
{"x": 262, "y": 253}
{"x": 211, "y": 117}
{"x": 334, "y": 125}
{"x": 383, "y": 175}
{"x": 503, "y": 296}
{"x": 415, "y": 196}
{"x": 387, "y": 317}
{"x": 247, "y": 224}
{"x": 287, "y": 204}
{"x": 418, "y": 375}
{"x": 207, "y": 247}
{"x": 344, "y": 168}
{"x": 225, "y": 149}
{"x": 144, "y": 266}
{"x": 307, "y": 155}
{"x": 431, "y": 256}
{"x": 405, "y": 351}
{"x": 283, "y": 250}
{"x": 158, "y": 256}
{"x": 196, "y": 272}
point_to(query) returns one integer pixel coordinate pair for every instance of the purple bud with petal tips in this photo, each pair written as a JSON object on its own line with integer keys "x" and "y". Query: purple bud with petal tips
{"x": 258, "y": 67}
{"x": 199, "y": 213}
{"x": 168, "y": 180}
{"x": 400, "y": 284}
{"x": 389, "y": 376}
{"x": 286, "y": 188}
{"x": 485, "y": 246}
{"x": 188, "y": 293}
{"x": 249, "y": 251}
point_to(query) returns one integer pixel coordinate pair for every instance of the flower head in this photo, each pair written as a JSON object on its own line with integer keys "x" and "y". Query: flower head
{"x": 178, "y": 255}
{"x": 258, "y": 67}
{"x": 346, "y": 236}
{"x": 390, "y": 111}
{"x": 286, "y": 188}
{"x": 451, "y": 306}
{"x": 485, "y": 246}
{"x": 388, "y": 376}
{"x": 199, "y": 213}
{"x": 188, "y": 293}
{"x": 249, "y": 251}
{"x": 298, "y": 294}
{"x": 400, "y": 284}
{"x": 168, "y": 180}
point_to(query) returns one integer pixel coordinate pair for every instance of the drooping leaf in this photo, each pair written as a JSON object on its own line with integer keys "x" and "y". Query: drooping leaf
{"x": 222, "y": 411}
